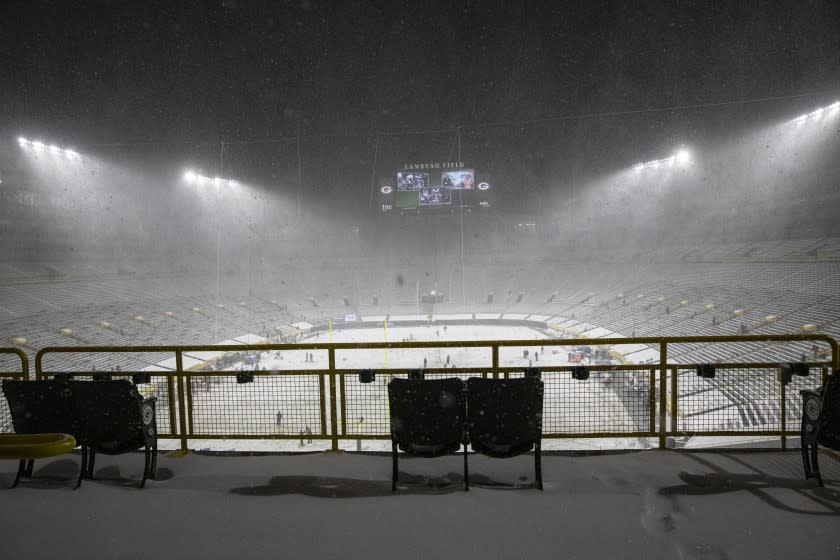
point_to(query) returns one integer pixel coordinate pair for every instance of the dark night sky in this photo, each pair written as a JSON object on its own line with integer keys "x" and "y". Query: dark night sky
{"x": 142, "y": 71}
{"x": 99, "y": 72}
{"x": 149, "y": 89}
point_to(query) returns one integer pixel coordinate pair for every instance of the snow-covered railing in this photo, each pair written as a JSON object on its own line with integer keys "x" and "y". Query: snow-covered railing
{"x": 296, "y": 395}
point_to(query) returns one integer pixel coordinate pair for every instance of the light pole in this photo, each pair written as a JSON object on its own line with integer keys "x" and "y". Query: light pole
{"x": 193, "y": 178}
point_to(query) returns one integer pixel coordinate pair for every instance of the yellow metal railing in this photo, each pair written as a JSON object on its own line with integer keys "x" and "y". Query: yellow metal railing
{"x": 22, "y": 373}
{"x": 329, "y": 403}
{"x": 24, "y": 363}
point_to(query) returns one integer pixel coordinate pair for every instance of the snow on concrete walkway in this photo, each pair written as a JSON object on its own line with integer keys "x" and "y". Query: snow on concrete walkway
{"x": 652, "y": 504}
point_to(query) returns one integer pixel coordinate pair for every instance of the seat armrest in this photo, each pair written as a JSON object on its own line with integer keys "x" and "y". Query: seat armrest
{"x": 811, "y": 392}
{"x": 148, "y": 416}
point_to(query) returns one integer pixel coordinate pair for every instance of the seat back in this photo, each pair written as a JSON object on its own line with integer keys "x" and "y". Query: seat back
{"x": 111, "y": 414}
{"x": 44, "y": 406}
{"x": 829, "y": 434}
{"x": 427, "y": 416}
{"x": 505, "y": 415}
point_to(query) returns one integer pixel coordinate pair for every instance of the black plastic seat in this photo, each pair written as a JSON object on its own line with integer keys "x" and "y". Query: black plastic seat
{"x": 820, "y": 423}
{"x": 427, "y": 419}
{"x": 505, "y": 418}
{"x": 40, "y": 407}
{"x": 115, "y": 419}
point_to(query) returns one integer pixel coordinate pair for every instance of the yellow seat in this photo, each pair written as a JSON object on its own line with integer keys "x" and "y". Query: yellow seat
{"x": 35, "y": 446}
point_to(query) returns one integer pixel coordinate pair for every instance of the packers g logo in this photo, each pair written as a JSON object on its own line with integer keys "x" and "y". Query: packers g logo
{"x": 148, "y": 415}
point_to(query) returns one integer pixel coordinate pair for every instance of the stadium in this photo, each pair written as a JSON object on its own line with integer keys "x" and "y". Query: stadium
{"x": 427, "y": 275}
{"x": 669, "y": 272}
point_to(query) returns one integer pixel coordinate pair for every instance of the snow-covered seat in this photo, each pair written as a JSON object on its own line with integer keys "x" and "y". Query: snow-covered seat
{"x": 105, "y": 415}
{"x": 427, "y": 419}
{"x": 820, "y": 423}
{"x": 505, "y": 418}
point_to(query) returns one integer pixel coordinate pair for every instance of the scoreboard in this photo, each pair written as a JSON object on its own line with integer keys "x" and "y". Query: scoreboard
{"x": 433, "y": 187}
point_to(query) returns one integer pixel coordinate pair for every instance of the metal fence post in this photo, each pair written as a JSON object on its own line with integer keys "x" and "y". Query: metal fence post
{"x": 24, "y": 365}
{"x": 171, "y": 381}
{"x": 24, "y": 361}
{"x": 39, "y": 356}
{"x": 333, "y": 407}
{"x": 784, "y": 419}
{"x": 189, "y": 395}
{"x": 322, "y": 398}
{"x": 652, "y": 402}
{"x": 342, "y": 394}
{"x": 674, "y": 403}
{"x": 182, "y": 405}
{"x": 663, "y": 368}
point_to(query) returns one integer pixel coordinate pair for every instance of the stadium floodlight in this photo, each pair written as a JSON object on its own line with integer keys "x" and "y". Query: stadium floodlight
{"x": 681, "y": 157}
{"x": 39, "y": 146}
{"x": 192, "y": 177}
{"x": 817, "y": 114}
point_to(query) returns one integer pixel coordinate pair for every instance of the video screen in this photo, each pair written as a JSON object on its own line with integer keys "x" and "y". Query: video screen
{"x": 406, "y": 199}
{"x": 462, "y": 179}
{"x": 412, "y": 181}
{"x": 435, "y": 196}
{"x": 430, "y": 188}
